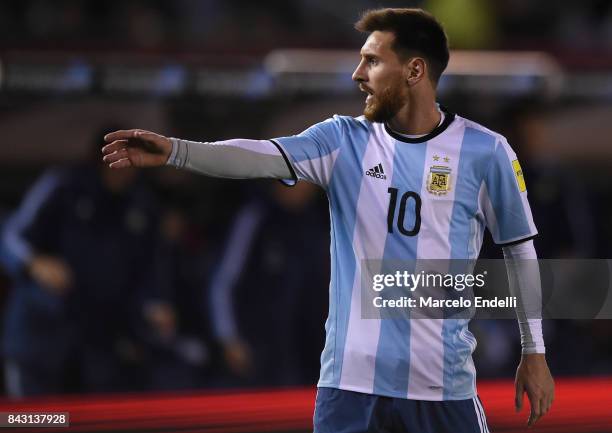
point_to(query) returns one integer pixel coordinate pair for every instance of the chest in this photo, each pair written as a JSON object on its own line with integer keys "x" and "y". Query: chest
{"x": 398, "y": 186}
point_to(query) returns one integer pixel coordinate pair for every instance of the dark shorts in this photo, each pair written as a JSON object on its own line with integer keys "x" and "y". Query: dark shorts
{"x": 339, "y": 411}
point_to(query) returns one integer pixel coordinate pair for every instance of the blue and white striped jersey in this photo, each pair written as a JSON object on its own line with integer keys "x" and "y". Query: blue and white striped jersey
{"x": 398, "y": 198}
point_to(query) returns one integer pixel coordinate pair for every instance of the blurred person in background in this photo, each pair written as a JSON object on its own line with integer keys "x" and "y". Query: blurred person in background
{"x": 174, "y": 332}
{"x": 419, "y": 373}
{"x": 268, "y": 295}
{"x": 69, "y": 321}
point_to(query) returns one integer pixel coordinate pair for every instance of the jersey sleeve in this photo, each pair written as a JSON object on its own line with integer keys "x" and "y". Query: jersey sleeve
{"x": 33, "y": 226}
{"x": 312, "y": 153}
{"x": 503, "y": 198}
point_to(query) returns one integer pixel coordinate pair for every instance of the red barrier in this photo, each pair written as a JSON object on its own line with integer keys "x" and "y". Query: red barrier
{"x": 581, "y": 405}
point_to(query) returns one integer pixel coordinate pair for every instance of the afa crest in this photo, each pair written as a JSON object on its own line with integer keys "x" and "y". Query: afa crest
{"x": 439, "y": 179}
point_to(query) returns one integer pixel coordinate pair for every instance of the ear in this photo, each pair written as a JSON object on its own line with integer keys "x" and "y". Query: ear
{"x": 415, "y": 70}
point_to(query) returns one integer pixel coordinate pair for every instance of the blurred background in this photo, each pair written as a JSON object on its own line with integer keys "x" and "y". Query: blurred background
{"x": 162, "y": 280}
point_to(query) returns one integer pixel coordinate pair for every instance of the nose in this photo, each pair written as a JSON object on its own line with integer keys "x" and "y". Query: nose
{"x": 359, "y": 73}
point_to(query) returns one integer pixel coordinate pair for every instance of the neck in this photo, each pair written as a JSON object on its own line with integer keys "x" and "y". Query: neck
{"x": 411, "y": 120}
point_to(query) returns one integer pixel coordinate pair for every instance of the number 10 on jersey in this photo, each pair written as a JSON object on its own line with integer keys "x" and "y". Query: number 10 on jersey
{"x": 403, "y": 202}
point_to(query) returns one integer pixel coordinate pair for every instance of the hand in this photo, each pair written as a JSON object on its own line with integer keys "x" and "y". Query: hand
{"x": 238, "y": 357}
{"x": 136, "y": 148}
{"x": 52, "y": 273}
{"x": 533, "y": 377}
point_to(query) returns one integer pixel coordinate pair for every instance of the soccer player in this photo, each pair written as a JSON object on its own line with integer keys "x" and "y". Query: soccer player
{"x": 407, "y": 180}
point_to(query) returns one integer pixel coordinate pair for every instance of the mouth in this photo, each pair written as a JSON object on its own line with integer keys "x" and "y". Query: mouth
{"x": 369, "y": 92}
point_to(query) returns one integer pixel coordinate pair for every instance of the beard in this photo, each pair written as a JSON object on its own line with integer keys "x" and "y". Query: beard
{"x": 383, "y": 106}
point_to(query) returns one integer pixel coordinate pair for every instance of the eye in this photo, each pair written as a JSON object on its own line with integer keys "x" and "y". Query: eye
{"x": 372, "y": 61}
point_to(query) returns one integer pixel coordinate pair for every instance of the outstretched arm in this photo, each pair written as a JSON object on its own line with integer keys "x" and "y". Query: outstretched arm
{"x": 238, "y": 158}
{"x": 532, "y": 376}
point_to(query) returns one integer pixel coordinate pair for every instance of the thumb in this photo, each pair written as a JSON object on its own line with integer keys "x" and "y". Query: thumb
{"x": 518, "y": 396}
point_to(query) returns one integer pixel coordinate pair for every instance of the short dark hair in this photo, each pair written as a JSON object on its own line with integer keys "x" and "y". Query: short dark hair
{"x": 415, "y": 30}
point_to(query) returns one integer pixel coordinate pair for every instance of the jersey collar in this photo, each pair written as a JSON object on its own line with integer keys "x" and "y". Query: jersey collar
{"x": 448, "y": 119}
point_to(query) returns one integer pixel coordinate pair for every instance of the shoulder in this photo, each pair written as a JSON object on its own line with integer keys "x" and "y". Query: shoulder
{"x": 351, "y": 126}
{"x": 481, "y": 129}
{"x": 337, "y": 131}
{"x": 352, "y": 122}
{"x": 482, "y": 133}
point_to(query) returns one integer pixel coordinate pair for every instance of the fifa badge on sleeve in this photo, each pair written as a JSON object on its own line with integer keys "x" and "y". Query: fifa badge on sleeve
{"x": 518, "y": 172}
{"x": 439, "y": 178}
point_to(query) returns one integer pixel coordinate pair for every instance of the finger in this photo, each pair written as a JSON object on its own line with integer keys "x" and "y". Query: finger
{"x": 115, "y": 156}
{"x": 542, "y": 408}
{"x": 122, "y": 134}
{"x": 518, "y": 396}
{"x": 545, "y": 407}
{"x": 122, "y": 163}
{"x": 535, "y": 410}
{"x": 545, "y": 404}
{"x": 549, "y": 400}
{"x": 114, "y": 146}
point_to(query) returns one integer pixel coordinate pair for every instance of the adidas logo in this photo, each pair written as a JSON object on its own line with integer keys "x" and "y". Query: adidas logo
{"x": 377, "y": 172}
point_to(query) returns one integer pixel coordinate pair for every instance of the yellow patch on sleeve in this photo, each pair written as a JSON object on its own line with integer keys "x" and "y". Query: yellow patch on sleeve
{"x": 518, "y": 172}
